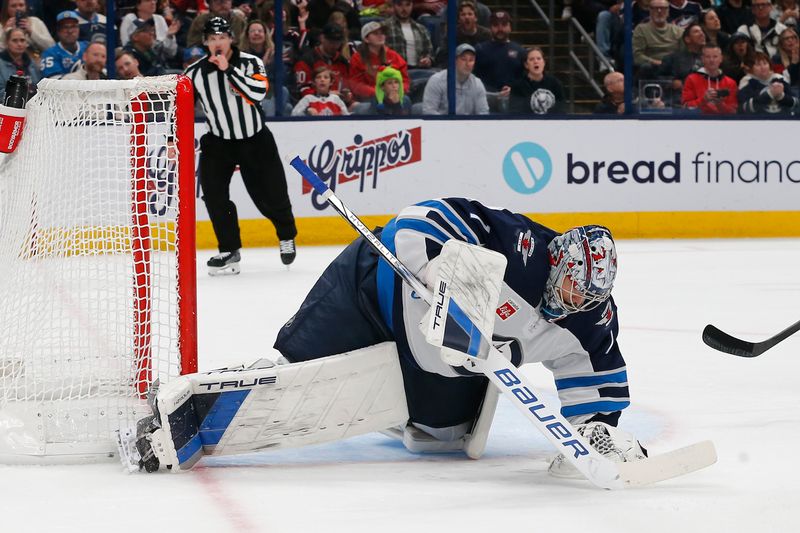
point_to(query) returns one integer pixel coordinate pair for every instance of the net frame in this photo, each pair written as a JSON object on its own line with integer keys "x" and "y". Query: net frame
{"x": 52, "y": 422}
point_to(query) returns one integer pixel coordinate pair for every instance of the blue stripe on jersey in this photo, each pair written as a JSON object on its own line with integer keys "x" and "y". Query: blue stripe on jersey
{"x": 588, "y": 381}
{"x": 219, "y": 417}
{"x": 384, "y": 278}
{"x": 593, "y": 407}
{"x": 448, "y": 212}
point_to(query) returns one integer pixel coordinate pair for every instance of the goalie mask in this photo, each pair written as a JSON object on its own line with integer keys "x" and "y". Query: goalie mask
{"x": 583, "y": 265}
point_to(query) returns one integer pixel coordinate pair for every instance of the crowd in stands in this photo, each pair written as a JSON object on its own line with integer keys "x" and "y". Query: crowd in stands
{"x": 343, "y": 57}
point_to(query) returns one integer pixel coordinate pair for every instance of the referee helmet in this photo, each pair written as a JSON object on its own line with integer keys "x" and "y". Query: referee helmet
{"x": 217, "y": 26}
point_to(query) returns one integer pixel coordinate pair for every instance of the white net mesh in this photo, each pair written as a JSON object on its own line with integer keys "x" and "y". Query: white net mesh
{"x": 89, "y": 285}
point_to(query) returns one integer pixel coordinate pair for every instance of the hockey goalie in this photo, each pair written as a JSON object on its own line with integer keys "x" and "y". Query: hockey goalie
{"x": 366, "y": 353}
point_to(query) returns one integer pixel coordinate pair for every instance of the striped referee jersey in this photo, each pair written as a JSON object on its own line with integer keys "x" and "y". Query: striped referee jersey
{"x": 231, "y": 99}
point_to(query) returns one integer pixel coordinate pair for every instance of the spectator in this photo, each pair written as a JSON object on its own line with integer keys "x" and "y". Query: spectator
{"x": 216, "y": 8}
{"x": 15, "y": 59}
{"x": 91, "y": 23}
{"x": 763, "y": 92}
{"x": 613, "y": 102}
{"x": 787, "y": 12}
{"x": 127, "y": 66}
{"x": 348, "y": 47}
{"x": 677, "y": 65}
{"x": 93, "y": 64}
{"x": 708, "y": 89}
{"x": 373, "y": 55}
{"x": 499, "y": 62}
{"x": 407, "y": 37}
{"x": 641, "y": 11}
{"x": 711, "y": 24}
{"x": 764, "y": 31}
{"x": 322, "y": 102}
{"x": 190, "y": 6}
{"x": 537, "y": 92}
{"x": 733, "y": 14}
{"x": 390, "y": 99}
{"x": 608, "y": 29}
{"x": 468, "y": 30}
{"x": 470, "y": 92}
{"x": 683, "y": 12}
{"x": 740, "y": 51}
{"x": 62, "y": 56}
{"x": 787, "y": 60}
{"x": 15, "y": 15}
{"x": 165, "y": 44}
{"x": 143, "y": 46}
{"x": 50, "y": 10}
{"x": 654, "y": 39}
{"x": 327, "y": 53}
{"x": 319, "y": 11}
{"x": 256, "y": 40}
{"x": 429, "y": 7}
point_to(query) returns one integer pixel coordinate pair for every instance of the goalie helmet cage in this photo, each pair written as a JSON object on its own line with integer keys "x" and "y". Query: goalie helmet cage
{"x": 97, "y": 263}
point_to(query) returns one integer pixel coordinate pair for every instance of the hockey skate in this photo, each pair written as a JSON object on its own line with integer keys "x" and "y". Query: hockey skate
{"x": 288, "y": 251}
{"x": 613, "y": 443}
{"x": 224, "y": 263}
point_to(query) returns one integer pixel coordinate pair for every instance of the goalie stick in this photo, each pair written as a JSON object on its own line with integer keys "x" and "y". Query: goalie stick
{"x": 719, "y": 340}
{"x": 599, "y": 470}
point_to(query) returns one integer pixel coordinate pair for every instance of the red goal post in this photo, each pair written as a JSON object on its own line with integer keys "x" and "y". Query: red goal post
{"x": 97, "y": 263}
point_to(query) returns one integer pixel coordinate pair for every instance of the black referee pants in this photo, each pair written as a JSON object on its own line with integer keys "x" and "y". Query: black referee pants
{"x": 263, "y": 177}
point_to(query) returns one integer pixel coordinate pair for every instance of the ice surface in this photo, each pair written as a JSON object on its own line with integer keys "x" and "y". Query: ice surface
{"x": 682, "y": 392}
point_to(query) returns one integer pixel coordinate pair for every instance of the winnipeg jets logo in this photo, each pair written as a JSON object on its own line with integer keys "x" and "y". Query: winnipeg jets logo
{"x": 608, "y": 314}
{"x": 525, "y": 246}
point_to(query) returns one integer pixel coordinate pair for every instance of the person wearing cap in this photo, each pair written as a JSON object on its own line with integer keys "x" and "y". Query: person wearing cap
{"x": 165, "y": 42}
{"x": 152, "y": 58}
{"x": 15, "y": 15}
{"x": 470, "y": 92}
{"x": 371, "y": 56}
{"x": 738, "y": 54}
{"x": 60, "y": 58}
{"x": 216, "y": 8}
{"x": 390, "y": 99}
{"x": 93, "y": 64}
{"x": 327, "y": 53}
{"x": 498, "y": 62}
{"x": 408, "y": 37}
{"x": 230, "y": 85}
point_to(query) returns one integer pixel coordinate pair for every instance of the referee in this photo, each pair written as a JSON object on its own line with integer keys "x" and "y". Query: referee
{"x": 230, "y": 84}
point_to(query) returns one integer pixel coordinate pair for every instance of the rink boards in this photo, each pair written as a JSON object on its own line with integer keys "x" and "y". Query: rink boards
{"x": 643, "y": 179}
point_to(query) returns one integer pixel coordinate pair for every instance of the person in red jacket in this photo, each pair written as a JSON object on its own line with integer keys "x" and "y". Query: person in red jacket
{"x": 709, "y": 89}
{"x": 372, "y": 56}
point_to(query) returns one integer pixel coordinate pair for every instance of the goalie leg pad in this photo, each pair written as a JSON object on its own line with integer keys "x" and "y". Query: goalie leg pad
{"x": 243, "y": 410}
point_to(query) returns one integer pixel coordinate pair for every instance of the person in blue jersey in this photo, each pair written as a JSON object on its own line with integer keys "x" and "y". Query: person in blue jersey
{"x": 555, "y": 308}
{"x": 63, "y": 56}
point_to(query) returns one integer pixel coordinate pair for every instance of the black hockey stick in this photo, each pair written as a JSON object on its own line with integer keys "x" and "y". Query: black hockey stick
{"x": 719, "y": 340}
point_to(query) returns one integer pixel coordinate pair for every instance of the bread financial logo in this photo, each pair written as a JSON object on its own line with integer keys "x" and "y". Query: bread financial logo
{"x": 527, "y": 168}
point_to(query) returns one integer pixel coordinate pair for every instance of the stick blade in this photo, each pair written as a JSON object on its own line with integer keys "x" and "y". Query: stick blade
{"x": 668, "y": 465}
{"x": 721, "y": 341}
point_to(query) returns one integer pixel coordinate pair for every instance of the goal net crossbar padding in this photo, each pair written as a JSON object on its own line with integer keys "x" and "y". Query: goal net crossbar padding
{"x": 97, "y": 262}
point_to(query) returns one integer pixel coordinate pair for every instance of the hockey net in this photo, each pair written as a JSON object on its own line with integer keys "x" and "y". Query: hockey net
{"x": 97, "y": 263}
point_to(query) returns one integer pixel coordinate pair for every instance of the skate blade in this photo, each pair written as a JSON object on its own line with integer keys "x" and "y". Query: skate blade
{"x": 228, "y": 270}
